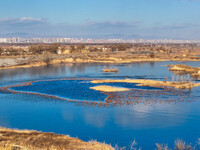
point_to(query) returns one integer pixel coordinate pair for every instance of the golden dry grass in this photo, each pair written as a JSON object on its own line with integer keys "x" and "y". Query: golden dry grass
{"x": 152, "y": 83}
{"x": 182, "y": 67}
{"x": 33, "y": 140}
{"x": 110, "y": 70}
{"x": 104, "y": 88}
{"x": 94, "y": 58}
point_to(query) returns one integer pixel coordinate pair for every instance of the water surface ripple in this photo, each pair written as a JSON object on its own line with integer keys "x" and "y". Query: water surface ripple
{"x": 146, "y": 123}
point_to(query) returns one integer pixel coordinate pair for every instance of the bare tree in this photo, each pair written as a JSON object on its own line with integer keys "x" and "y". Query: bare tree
{"x": 152, "y": 55}
{"x": 81, "y": 47}
{"x": 72, "y": 48}
{"x": 1, "y": 50}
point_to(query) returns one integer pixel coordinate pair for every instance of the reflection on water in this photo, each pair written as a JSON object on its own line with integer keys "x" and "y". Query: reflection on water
{"x": 147, "y": 124}
{"x": 140, "y": 70}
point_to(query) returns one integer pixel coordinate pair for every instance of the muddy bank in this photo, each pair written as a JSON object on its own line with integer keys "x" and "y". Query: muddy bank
{"x": 24, "y": 139}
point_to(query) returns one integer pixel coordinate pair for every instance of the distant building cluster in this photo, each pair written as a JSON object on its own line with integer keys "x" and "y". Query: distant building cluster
{"x": 81, "y": 40}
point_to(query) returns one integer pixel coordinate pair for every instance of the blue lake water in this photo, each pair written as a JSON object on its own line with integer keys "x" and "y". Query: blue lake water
{"x": 71, "y": 89}
{"x": 147, "y": 124}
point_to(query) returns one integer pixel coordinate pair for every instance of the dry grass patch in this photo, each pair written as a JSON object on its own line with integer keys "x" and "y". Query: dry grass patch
{"x": 22, "y": 140}
{"x": 152, "y": 83}
{"x": 104, "y": 88}
{"x": 182, "y": 67}
{"x": 110, "y": 70}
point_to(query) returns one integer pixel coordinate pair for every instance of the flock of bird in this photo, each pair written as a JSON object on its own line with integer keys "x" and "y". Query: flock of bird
{"x": 114, "y": 99}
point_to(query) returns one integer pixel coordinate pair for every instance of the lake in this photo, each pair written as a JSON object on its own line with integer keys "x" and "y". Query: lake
{"x": 146, "y": 123}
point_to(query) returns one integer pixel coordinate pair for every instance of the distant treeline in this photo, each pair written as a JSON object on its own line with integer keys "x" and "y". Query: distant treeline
{"x": 55, "y": 48}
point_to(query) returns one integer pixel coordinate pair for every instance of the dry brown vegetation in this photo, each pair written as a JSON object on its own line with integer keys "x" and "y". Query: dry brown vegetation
{"x": 193, "y": 71}
{"x": 33, "y": 140}
{"x": 107, "y": 53}
{"x": 183, "y": 67}
{"x": 104, "y": 88}
{"x": 110, "y": 70}
{"x": 152, "y": 83}
{"x": 178, "y": 145}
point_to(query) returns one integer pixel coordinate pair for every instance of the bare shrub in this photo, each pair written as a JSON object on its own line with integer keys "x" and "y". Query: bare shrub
{"x": 152, "y": 55}
{"x": 133, "y": 146}
{"x": 119, "y": 148}
{"x": 162, "y": 147}
{"x": 166, "y": 79}
{"x": 47, "y": 58}
{"x": 181, "y": 145}
{"x": 198, "y": 142}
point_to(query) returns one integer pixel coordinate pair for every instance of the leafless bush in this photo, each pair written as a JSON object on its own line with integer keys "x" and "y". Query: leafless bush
{"x": 181, "y": 145}
{"x": 152, "y": 55}
{"x": 119, "y": 148}
{"x": 132, "y": 146}
{"x": 47, "y": 58}
{"x": 162, "y": 147}
{"x": 198, "y": 142}
{"x": 166, "y": 79}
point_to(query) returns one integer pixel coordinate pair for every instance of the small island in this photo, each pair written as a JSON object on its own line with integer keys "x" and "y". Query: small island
{"x": 193, "y": 71}
{"x": 152, "y": 83}
{"x": 110, "y": 70}
{"x": 104, "y": 88}
{"x": 197, "y": 74}
{"x": 182, "y": 67}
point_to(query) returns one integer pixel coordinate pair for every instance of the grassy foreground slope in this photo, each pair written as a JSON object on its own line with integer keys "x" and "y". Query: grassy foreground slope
{"x": 32, "y": 140}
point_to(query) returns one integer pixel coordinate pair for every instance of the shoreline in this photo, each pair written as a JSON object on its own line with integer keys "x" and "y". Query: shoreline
{"x": 41, "y": 63}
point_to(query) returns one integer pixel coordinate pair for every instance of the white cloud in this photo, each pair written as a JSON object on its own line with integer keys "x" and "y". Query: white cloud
{"x": 21, "y": 22}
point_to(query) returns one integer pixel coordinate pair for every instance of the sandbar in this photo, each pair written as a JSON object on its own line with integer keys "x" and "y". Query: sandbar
{"x": 105, "y": 88}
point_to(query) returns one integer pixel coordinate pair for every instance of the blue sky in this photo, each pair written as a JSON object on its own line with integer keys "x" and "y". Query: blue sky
{"x": 128, "y": 19}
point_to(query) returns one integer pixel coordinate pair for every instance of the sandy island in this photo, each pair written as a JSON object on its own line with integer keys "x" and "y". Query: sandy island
{"x": 24, "y": 139}
{"x": 152, "y": 83}
{"x": 193, "y": 71}
{"x": 104, "y": 88}
{"x": 110, "y": 70}
{"x": 183, "y": 67}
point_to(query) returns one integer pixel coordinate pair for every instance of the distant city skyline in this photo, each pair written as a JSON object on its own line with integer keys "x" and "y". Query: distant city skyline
{"x": 101, "y": 19}
{"x": 82, "y": 40}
